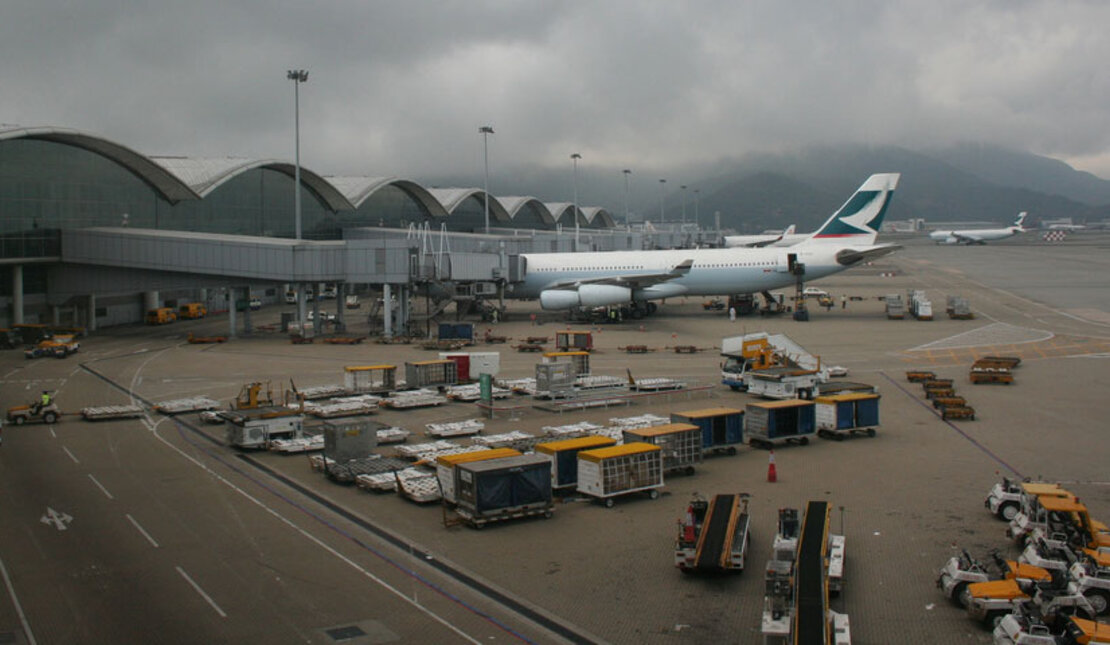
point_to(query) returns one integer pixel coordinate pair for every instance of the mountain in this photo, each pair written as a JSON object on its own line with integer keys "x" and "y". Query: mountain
{"x": 763, "y": 191}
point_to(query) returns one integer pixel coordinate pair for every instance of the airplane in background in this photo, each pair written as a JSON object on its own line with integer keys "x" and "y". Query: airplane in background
{"x": 564, "y": 281}
{"x": 1066, "y": 227}
{"x": 765, "y": 239}
{"x": 979, "y": 235}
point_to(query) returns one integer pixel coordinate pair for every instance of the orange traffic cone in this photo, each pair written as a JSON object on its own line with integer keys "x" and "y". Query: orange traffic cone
{"x": 772, "y": 474}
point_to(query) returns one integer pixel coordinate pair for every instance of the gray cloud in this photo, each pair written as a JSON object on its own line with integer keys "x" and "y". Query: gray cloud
{"x": 401, "y": 87}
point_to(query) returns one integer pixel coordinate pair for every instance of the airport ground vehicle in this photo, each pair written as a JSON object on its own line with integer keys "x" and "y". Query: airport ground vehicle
{"x": 57, "y": 347}
{"x": 192, "y": 310}
{"x": 160, "y": 316}
{"x": 1020, "y": 629}
{"x": 815, "y": 292}
{"x": 713, "y": 536}
{"x": 962, "y": 570}
{"x": 1005, "y": 498}
{"x": 21, "y": 414}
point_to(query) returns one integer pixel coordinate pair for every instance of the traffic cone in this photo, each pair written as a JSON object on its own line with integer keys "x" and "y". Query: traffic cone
{"x": 688, "y": 526}
{"x": 772, "y": 474}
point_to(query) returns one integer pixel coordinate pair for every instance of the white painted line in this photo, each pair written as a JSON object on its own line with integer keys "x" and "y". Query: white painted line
{"x": 143, "y": 531}
{"x": 101, "y": 487}
{"x": 201, "y": 592}
{"x": 52, "y": 433}
{"x": 18, "y": 607}
{"x": 70, "y": 455}
{"x": 310, "y": 537}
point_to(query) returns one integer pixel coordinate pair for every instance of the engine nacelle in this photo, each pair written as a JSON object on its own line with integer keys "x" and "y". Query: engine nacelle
{"x": 603, "y": 295}
{"x": 558, "y": 299}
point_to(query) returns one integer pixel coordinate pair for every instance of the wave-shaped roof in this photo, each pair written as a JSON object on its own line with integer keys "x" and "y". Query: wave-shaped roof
{"x": 178, "y": 178}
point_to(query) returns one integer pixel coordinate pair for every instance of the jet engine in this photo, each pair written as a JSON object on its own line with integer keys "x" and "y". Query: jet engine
{"x": 557, "y": 299}
{"x": 602, "y": 295}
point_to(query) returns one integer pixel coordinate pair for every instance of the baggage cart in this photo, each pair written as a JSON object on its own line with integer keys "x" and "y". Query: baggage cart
{"x": 359, "y": 379}
{"x": 939, "y": 393}
{"x": 722, "y": 429}
{"x": 496, "y": 490}
{"x": 569, "y": 340}
{"x": 447, "y": 471}
{"x": 431, "y": 373}
{"x": 948, "y": 401}
{"x": 681, "y": 444}
{"x": 958, "y": 412}
{"x": 920, "y": 376}
{"x": 844, "y": 415}
{"x": 563, "y": 455}
{"x": 607, "y": 473}
{"x": 771, "y": 423}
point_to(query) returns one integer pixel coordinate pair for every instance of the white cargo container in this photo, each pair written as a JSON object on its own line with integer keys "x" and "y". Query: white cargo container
{"x": 476, "y": 363}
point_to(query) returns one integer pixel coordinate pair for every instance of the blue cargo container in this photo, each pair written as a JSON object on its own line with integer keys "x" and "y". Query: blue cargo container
{"x": 841, "y": 415}
{"x": 773, "y": 422}
{"x": 456, "y": 331}
{"x": 722, "y": 429}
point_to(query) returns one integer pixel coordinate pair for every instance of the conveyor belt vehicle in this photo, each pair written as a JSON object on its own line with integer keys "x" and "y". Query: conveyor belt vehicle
{"x": 713, "y": 537}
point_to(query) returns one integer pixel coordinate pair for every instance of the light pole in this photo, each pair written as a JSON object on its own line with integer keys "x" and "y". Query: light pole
{"x": 575, "y": 157}
{"x": 485, "y": 131}
{"x": 697, "y": 220}
{"x": 683, "y": 204}
{"x": 662, "y": 213}
{"x": 626, "y": 172}
{"x": 298, "y": 76}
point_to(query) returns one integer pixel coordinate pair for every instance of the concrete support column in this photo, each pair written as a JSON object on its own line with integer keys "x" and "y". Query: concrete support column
{"x": 247, "y": 310}
{"x": 91, "y": 326}
{"x": 17, "y": 294}
{"x": 340, "y": 306}
{"x": 55, "y": 315}
{"x": 150, "y": 300}
{"x": 387, "y": 311}
{"x": 232, "y": 332}
{"x": 301, "y": 305}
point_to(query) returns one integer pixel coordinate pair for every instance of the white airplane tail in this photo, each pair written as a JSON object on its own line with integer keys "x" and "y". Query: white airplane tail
{"x": 1020, "y": 221}
{"x": 859, "y": 219}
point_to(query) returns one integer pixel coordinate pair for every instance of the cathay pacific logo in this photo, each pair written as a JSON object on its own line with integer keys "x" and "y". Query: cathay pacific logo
{"x": 862, "y": 215}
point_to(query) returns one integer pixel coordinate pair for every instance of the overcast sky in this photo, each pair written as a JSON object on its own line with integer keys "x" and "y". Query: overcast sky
{"x": 401, "y": 87}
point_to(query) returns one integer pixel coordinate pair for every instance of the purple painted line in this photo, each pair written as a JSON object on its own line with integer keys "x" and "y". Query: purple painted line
{"x": 987, "y": 451}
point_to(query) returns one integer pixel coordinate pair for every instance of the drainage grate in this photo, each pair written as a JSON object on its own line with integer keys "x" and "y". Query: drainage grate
{"x": 345, "y": 633}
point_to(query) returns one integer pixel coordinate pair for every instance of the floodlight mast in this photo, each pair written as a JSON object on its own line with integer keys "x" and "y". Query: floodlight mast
{"x": 485, "y": 131}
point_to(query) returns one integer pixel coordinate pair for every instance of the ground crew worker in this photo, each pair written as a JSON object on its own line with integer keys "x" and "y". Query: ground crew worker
{"x": 843, "y": 301}
{"x": 732, "y": 314}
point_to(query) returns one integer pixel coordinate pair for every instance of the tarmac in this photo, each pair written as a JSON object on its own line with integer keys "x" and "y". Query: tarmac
{"x": 172, "y": 536}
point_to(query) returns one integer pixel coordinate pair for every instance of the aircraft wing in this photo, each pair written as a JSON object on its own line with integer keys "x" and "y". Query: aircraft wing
{"x": 632, "y": 281}
{"x": 849, "y": 257}
{"x": 767, "y": 242}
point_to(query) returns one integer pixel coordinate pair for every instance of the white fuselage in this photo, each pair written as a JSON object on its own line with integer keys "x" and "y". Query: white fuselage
{"x": 974, "y": 235}
{"x": 714, "y": 271}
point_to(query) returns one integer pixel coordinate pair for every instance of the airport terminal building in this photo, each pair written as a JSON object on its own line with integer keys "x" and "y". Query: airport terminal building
{"x": 94, "y": 233}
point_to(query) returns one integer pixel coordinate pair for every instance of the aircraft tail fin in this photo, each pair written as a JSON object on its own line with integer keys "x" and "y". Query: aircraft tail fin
{"x": 789, "y": 230}
{"x": 1020, "y": 221}
{"x": 859, "y": 219}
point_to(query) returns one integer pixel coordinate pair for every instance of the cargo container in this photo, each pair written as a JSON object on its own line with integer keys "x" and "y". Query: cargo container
{"x": 580, "y": 360}
{"x": 605, "y": 473}
{"x": 360, "y": 379}
{"x": 554, "y": 380}
{"x": 842, "y": 415}
{"x": 722, "y": 429}
{"x": 456, "y": 331}
{"x": 474, "y": 364}
{"x": 255, "y": 428}
{"x": 447, "y": 471}
{"x": 564, "y": 457}
{"x": 574, "y": 340}
{"x": 501, "y": 489}
{"x": 350, "y": 439}
{"x": 431, "y": 373}
{"x": 776, "y": 422}
{"x": 681, "y": 444}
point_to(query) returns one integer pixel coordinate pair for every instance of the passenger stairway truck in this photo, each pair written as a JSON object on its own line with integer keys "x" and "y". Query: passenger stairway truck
{"x": 713, "y": 537}
{"x": 755, "y": 352}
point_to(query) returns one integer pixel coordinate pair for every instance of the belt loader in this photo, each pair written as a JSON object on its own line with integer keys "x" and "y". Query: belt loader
{"x": 713, "y": 537}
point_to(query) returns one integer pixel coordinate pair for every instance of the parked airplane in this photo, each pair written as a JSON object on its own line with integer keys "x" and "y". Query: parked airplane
{"x": 979, "y": 235}
{"x": 756, "y": 241}
{"x": 568, "y": 280}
